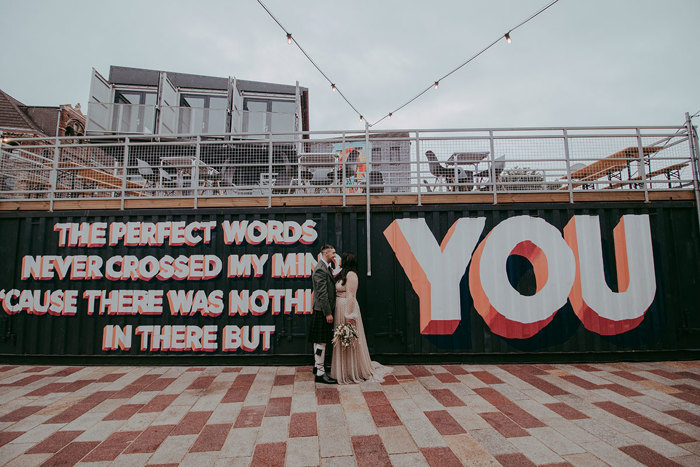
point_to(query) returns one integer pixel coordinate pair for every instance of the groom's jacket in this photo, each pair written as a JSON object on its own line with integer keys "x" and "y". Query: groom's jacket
{"x": 324, "y": 289}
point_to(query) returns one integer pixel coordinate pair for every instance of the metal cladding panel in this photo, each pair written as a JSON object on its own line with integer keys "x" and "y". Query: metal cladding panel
{"x": 544, "y": 279}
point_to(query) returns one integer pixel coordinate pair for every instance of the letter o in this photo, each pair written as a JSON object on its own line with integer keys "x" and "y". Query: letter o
{"x": 506, "y": 311}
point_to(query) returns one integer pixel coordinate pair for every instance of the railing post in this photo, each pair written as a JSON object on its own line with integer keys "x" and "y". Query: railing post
{"x": 368, "y": 156}
{"x": 567, "y": 160}
{"x": 418, "y": 174}
{"x": 344, "y": 188}
{"x": 269, "y": 170}
{"x": 642, "y": 166}
{"x": 124, "y": 172}
{"x": 53, "y": 177}
{"x": 492, "y": 172}
{"x": 693, "y": 143}
{"x": 195, "y": 172}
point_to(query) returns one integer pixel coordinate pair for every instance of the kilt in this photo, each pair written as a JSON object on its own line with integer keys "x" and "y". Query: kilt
{"x": 321, "y": 331}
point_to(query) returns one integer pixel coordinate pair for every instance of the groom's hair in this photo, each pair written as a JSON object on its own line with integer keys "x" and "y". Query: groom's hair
{"x": 325, "y": 247}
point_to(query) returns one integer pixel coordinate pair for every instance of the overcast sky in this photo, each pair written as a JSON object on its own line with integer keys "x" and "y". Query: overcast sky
{"x": 580, "y": 63}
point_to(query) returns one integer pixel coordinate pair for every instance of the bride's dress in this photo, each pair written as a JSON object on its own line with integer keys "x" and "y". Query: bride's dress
{"x": 352, "y": 364}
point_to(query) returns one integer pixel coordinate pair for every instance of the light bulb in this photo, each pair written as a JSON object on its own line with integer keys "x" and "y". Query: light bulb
{"x": 289, "y": 38}
{"x": 508, "y": 38}
{"x": 436, "y": 84}
{"x": 361, "y": 118}
{"x": 390, "y": 114}
{"x": 333, "y": 87}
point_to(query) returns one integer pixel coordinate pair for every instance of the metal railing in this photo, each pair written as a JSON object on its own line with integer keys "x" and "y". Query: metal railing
{"x": 351, "y": 163}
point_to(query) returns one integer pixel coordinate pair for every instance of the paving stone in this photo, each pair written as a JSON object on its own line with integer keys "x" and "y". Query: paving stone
{"x": 397, "y": 440}
{"x": 302, "y": 451}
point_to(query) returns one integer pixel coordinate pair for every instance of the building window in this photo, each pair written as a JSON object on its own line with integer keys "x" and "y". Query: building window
{"x": 201, "y": 113}
{"x": 268, "y": 115}
{"x": 134, "y": 112}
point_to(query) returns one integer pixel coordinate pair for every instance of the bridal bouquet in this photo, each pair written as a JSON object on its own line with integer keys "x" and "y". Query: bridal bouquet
{"x": 345, "y": 334}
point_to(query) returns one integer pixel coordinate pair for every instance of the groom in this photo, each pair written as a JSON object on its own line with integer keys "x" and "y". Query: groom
{"x": 323, "y": 308}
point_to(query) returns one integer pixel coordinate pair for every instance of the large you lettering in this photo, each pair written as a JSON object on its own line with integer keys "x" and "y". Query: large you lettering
{"x": 568, "y": 267}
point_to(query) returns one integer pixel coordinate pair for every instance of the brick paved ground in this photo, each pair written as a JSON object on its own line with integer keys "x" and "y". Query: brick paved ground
{"x": 595, "y": 414}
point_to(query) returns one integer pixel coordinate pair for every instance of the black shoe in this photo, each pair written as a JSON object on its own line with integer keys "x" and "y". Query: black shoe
{"x": 325, "y": 379}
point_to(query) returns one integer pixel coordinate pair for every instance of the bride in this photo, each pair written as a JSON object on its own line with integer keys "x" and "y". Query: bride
{"x": 352, "y": 364}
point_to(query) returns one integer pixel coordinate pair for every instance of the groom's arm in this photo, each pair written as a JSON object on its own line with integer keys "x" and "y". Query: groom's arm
{"x": 321, "y": 292}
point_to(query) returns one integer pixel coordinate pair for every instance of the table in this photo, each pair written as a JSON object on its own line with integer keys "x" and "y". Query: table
{"x": 610, "y": 165}
{"x": 317, "y": 169}
{"x": 184, "y": 165}
{"x": 100, "y": 177}
{"x": 473, "y": 158}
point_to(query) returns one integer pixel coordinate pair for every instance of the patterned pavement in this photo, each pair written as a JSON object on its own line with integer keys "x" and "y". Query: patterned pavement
{"x": 589, "y": 414}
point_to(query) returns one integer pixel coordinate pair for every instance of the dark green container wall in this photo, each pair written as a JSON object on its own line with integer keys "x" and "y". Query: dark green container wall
{"x": 388, "y": 302}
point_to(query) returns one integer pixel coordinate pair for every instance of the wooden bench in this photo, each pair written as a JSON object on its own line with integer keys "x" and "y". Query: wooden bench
{"x": 666, "y": 170}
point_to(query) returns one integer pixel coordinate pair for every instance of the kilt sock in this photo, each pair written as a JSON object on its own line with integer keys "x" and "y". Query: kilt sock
{"x": 319, "y": 358}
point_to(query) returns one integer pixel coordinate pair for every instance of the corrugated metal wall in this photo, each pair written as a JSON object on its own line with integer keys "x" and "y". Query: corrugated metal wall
{"x": 389, "y": 303}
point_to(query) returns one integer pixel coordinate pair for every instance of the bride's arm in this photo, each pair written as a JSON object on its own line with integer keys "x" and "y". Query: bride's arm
{"x": 351, "y": 285}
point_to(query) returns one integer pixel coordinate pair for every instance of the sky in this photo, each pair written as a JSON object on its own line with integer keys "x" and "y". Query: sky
{"x": 580, "y": 63}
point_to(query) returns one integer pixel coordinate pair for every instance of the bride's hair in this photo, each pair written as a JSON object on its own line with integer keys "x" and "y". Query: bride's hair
{"x": 348, "y": 263}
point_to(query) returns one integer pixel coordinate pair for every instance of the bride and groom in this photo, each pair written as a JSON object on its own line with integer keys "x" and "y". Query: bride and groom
{"x": 335, "y": 304}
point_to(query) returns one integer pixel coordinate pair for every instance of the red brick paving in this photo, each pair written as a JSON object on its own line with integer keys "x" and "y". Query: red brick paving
{"x": 71, "y": 454}
{"x": 418, "y": 370}
{"x": 384, "y": 415}
{"x": 211, "y": 438}
{"x": 446, "y": 378}
{"x": 514, "y": 460}
{"x": 68, "y": 371}
{"x": 124, "y": 412}
{"x": 444, "y": 423}
{"x": 446, "y": 398}
{"x": 455, "y": 369}
{"x": 7, "y": 436}
{"x": 202, "y": 382}
{"x": 404, "y": 392}
{"x": 504, "y": 425}
{"x": 370, "y": 451}
{"x": 150, "y": 439}
{"x": 648, "y": 456}
{"x": 685, "y": 416}
{"x": 518, "y": 415}
{"x": 530, "y": 376}
{"x": 326, "y": 396}
{"x": 566, "y": 411}
{"x": 192, "y": 423}
{"x": 269, "y": 455}
{"x": 160, "y": 384}
{"x": 375, "y": 398}
{"x": 645, "y": 422}
{"x": 250, "y": 416}
{"x": 159, "y": 403}
{"x": 55, "y": 442}
{"x": 440, "y": 457}
{"x": 21, "y": 413}
{"x": 487, "y": 378}
{"x": 283, "y": 380}
{"x": 109, "y": 378}
{"x": 303, "y": 424}
{"x": 110, "y": 448}
{"x": 278, "y": 407}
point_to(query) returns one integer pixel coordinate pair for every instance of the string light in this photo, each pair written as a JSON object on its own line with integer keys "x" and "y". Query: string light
{"x": 437, "y": 82}
{"x": 308, "y": 57}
